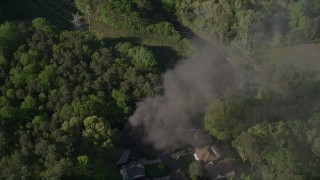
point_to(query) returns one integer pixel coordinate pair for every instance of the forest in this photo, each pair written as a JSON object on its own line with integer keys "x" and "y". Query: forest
{"x": 66, "y": 94}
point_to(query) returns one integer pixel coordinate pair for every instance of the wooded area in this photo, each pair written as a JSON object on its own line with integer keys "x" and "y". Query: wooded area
{"x": 66, "y": 95}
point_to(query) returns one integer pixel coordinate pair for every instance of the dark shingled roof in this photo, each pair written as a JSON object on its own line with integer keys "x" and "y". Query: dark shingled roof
{"x": 134, "y": 170}
{"x": 122, "y": 156}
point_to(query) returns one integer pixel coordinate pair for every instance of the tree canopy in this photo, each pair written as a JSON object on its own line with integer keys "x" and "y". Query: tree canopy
{"x": 66, "y": 94}
{"x": 63, "y": 97}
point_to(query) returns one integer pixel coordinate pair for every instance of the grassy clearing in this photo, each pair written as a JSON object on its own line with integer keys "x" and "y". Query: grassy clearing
{"x": 166, "y": 54}
{"x": 306, "y": 56}
{"x": 156, "y": 170}
{"x": 109, "y": 32}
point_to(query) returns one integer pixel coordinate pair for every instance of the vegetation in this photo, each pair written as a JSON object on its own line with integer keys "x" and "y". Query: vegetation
{"x": 64, "y": 97}
{"x": 291, "y": 55}
{"x": 197, "y": 170}
{"x": 183, "y": 162}
{"x": 156, "y": 170}
{"x": 59, "y": 11}
{"x": 66, "y": 94}
{"x": 251, "y": 23}
{"x": 272, "y": 125}
{"x": 126, "y": 18}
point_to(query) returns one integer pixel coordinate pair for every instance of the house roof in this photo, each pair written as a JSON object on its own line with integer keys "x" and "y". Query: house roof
{"x": 207, "y": 153}
{"x": 198, "y": 137}
{"x": 122, "y": 157}
{"x": 134, "y": 170}
{"x": 220, "y": 170}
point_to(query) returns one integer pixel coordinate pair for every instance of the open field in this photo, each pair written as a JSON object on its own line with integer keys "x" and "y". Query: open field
{"x": 306, "y": 56}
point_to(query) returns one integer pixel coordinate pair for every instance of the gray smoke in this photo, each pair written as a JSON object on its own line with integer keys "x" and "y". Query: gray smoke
{"x": 187, "y": 89}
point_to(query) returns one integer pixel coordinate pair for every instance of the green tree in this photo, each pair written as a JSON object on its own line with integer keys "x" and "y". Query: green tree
{"x": 82, "y": 167}
{"x": 39, "y": 119}
{"x": 7, "y": 112}
{"x": 10, "y": 38}
{"x": 196, "y": 170}
{"x": 29, "y": 103}
{"x": 316, "y": 146}
{"x": 122, "y": 100}
{"x": 43, "y": 25}
{"x": 228, "y": 117}
{"x": 99, "y": 131}
{"x": 47, "y": 77}
{"x": 268, "y": 147}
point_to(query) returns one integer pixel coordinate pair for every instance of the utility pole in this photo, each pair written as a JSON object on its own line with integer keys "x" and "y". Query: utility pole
{"x": 77, "y": 21}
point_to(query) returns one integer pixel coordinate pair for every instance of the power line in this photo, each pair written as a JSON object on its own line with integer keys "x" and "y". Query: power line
{"x": 180, "y": 28}
{"x": 77, "y": 21}
{"x": 87, "y": 12}
{"x": 59, "y": 24}
{"x": 72, "y": 4}
{"x": 65, "y": 9}
{"x": 146, "y": 21}
{"x": 48, "y": 7}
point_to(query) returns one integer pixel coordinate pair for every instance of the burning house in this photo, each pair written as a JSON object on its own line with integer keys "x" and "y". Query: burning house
{"x": 207, "y": 154}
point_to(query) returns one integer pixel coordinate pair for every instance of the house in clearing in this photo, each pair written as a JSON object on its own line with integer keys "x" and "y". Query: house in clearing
{"x": 207, "y": 153}
{"x": 211, "y": 158}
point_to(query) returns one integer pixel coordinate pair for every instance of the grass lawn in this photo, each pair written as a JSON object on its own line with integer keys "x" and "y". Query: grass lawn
{"x": 156, "y": 170}
{"x": 166, "y": 54}
{"x": 184, "y": 162}
{"x": 103, "y": 30}
{"x": 305, "y": 56}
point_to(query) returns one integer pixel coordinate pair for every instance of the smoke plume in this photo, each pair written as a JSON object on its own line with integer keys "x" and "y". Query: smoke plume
{"x": 188, "y": 87}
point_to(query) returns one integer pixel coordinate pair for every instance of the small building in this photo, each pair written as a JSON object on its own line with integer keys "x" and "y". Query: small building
{"x": 207, "y": 153}
{"x": 122, "y": 156}
{"x": 133, "y": 171}
{"x": 220, "y": 170}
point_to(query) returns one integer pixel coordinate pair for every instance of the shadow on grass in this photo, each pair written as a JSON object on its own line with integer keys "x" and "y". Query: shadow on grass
{"x": 110, "y": 42}
{"x": 156, "y": 170}
{"x": 166, "y": 56}
{"x": 184, "y": 162}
